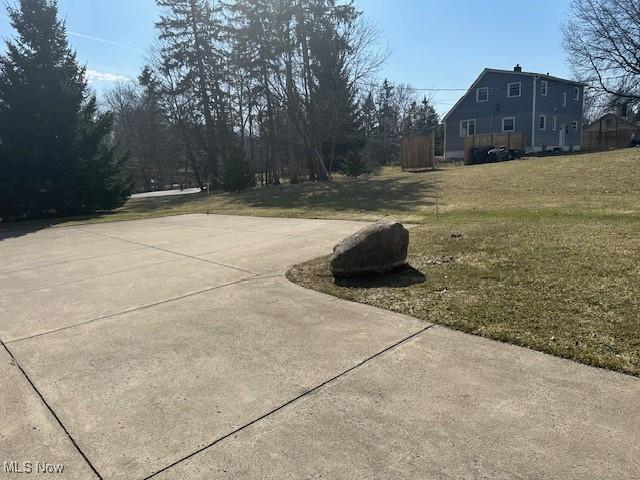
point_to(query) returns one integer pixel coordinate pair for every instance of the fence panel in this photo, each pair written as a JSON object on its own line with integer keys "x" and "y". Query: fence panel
{"x": 607, "y": 139}
{"x": 511, "y": 141}
{"x": 417, "y": 152}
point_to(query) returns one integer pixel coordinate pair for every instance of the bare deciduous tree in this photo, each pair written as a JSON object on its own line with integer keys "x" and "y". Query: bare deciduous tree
{"x": 602, "y": 40}
{"x": 267, "y": 87}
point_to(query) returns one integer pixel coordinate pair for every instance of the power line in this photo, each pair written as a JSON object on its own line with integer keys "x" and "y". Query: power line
{"x": 407, "y": 87}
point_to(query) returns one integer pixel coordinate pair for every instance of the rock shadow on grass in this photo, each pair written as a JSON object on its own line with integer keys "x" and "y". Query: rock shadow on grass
{"x": 401, "y": 277}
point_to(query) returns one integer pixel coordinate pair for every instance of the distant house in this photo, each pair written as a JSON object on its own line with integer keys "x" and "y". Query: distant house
{"x": 546, "y": 109}
{"x": 611, "y": 122}
{"x": 611, "y": 131}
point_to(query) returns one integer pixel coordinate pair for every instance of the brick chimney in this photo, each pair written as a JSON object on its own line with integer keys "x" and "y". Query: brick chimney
{"x": 517, "y": 68}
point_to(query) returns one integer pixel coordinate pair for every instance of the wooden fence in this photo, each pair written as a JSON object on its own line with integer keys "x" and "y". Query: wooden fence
{"x": 608, "y": 140}
{"x": 511, "y": 140}
{"x": 417, "y": 152}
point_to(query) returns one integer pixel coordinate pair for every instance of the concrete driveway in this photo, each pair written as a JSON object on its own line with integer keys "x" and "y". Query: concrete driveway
{"x": 174, "y": 348}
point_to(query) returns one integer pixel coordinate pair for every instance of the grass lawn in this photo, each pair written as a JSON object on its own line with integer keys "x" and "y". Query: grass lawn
{"x": 542, "y": 252}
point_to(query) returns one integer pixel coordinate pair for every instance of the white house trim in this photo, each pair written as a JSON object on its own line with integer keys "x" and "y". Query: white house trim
{"x": 478, "y": 94}
{"x": 466, "y": 134}
{"x": 533, "y": 116}
{"x": 514, "y": 124}
{"x": 542, "y": 122}
{"x": 544, "y": 87}
{"x": 519, "y": 89}
{"x": 444, "y": 145}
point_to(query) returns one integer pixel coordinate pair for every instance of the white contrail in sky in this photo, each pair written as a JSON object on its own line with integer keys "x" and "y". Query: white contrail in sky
{"x": 104, "y": 40}
{"x": 95, "y": 75}
{"x": 95, "y": 39}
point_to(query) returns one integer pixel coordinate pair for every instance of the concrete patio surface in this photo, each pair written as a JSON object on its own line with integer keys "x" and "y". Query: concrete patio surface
{"x": 174, "y": 348}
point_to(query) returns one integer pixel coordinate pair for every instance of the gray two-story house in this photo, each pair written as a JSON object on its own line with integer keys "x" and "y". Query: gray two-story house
{"x": 546, "y": 109}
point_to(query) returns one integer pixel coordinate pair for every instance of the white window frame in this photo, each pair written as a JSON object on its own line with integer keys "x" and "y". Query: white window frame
{"x": 544, "y": 87}
{"x": 478, "y": 94}
{"x": 564, "y": 99}
{"x": 509, "y": 89}
{"x": 466, "y": 133}
{"x": 514, "y": 124}
{"x": 576, "y": 93}
{"x": 574, "y": 125}
{"x": 554, "y": 123}
{"x": 542, "y": 119}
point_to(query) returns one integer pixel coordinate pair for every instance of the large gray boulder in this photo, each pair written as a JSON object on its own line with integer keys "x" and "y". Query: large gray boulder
{"x": 379, "y": 248}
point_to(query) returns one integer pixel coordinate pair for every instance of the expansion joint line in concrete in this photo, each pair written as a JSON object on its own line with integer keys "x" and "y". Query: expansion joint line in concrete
{"x": 293, "y": 400}
{"x": 168, "y": 251}
{"x": 92, "y": 277}
{"x": 51, "y": 410}
{"x": 69, "y": 260}
{"x": 131, "y": 310}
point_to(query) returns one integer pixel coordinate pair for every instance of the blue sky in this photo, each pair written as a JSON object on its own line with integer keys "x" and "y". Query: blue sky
{"x": 433, "y": 43}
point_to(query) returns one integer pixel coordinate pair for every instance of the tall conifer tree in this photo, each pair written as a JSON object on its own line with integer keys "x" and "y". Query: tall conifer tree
{"x": 54, "y": 154}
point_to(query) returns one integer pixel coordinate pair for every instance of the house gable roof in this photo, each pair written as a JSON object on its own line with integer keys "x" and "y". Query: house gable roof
{"x": 469, "y": 90}
{"x": 512, "y": 72}
{"x": 542, "y": 76}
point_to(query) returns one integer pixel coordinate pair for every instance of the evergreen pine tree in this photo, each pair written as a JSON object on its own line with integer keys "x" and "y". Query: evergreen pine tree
{"x": 409, "y": 124}
{"x": 426, "y": 117}
{"x": 388, "y": 122}
{"x": 154, "y": 135}
{"x": 54, "y": 155}
{"x": 191, "y": 32}
{"x": 369, "y": 118}
{"x": 334, "y": 102}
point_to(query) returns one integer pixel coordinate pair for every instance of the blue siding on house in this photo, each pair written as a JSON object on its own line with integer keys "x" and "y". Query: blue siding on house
{"x": 489, "y": 114}
{"x": 551, "y": 105}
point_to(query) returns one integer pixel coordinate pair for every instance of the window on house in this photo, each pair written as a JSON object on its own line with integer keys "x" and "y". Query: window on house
{"x": 509, "y": 124}
{"x": 513, "y": 89}
{"x": 574, "y": 124}
{"x": 564, "y": 99}
{"x": 542, "y": 122}
{"x": 576, "y": 93}
{"x": 544, "y": 85}
{"x": 467, "y": 128}
{"x": 554, "y": 123}
{"x": 482, "y": 94}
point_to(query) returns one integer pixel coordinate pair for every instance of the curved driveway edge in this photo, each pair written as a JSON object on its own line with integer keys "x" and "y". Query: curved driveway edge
{"x": 175, "y": 348}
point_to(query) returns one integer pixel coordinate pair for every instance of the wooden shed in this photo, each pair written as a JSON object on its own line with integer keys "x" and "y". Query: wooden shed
{"x": 417, "y": 152}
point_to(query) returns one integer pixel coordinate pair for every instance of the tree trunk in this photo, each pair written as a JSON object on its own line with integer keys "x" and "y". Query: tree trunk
{"x": 293, "y": 161}
{"x": 319, "y": 167}
{"x": 204, "y": 97}
{"x": 333, "y": 154}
